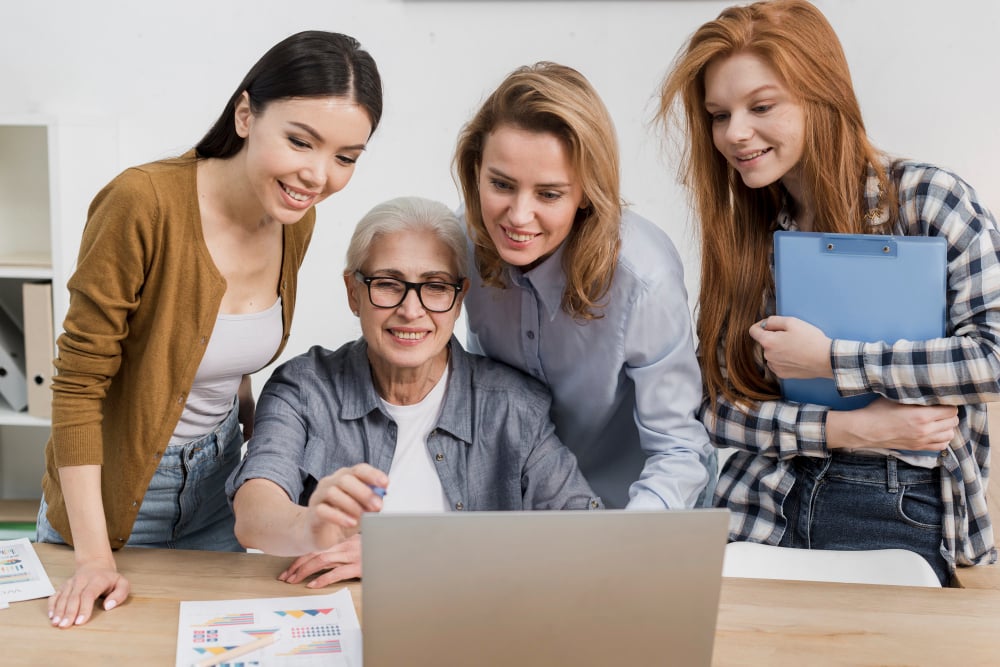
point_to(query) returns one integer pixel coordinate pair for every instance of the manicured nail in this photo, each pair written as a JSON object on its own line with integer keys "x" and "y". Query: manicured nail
{"x": 80, "y": 619}
{"x": 109, "y": 605}
{"x": 55, "y": 620}
{"x": 64, "y": 623}
{"x": 50, "y": 613}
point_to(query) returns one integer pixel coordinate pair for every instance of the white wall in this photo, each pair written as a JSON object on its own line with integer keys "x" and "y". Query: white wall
{"x": 159, "y": 73}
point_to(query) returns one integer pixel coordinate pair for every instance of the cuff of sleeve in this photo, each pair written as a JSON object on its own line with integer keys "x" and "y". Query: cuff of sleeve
{"x": 847, "y": 359}
{"x": 77, "y": 446}
{"x": 645, "y": 499}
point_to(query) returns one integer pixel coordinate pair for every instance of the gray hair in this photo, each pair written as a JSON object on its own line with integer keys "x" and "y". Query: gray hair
{"x": 408, "y": 214}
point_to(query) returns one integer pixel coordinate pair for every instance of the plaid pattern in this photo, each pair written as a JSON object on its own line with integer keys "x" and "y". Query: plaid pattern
{"x": 962, "y": 369}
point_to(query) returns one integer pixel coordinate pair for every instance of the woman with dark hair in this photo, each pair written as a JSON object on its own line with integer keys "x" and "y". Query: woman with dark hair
{"x": 185, "y": 284}
{"x": 580, "y": 293}
{"x": 775, "y": 141}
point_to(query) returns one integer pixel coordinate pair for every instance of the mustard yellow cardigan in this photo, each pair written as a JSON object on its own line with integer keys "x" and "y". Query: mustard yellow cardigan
{"x": 143, "y": 303}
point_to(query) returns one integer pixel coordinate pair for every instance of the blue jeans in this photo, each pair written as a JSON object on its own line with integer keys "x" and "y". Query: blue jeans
{"x": 853, "y": 502}
{"x": 185, "y": 506}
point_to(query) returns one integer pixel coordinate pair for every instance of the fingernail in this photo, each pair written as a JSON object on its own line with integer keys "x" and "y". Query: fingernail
{"x": 109, "y": 605}
{"x": 50, "y": 613}
{"x": 55, "y": 620}
{"x": 80, "y": 619}
{"x": 64, "y": 623}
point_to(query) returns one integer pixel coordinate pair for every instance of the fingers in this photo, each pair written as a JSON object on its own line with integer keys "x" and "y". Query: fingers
{"x": 339, "y": 573}
{"x": 118, "y": 594}
{"x": 347, "y": 555}
{"x": 74, "y": 603}
{"x": 344, "y": 496}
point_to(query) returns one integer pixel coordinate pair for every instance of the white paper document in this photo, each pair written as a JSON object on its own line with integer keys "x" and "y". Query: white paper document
{"x": 311, "y": 630}
{"x": 22, "y": 576}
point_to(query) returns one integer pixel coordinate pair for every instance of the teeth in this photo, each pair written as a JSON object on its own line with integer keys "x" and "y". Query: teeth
{"x": 295, "y": 195}
{"x": 520, "y": 238}
{"x": 409, "y": 335}
{"x": 752, "y": 155}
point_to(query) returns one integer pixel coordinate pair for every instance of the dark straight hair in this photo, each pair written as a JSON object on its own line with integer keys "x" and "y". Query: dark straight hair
{"x": 313, "y": 63}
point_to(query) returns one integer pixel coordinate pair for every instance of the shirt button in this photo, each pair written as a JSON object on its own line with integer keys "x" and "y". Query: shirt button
{"x": 594, "y": 504}
{"x": 944, "y": 453}
{"x": 203, "y": 339}
{"x": 135, "y": 503}
{"x": 459, "y": 506}
{"x": 439, "y": 457}
{"x": 531, "y": 335}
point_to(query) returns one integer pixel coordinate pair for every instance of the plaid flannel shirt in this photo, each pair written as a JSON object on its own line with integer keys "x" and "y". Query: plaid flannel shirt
{"x": 961, "y": 369}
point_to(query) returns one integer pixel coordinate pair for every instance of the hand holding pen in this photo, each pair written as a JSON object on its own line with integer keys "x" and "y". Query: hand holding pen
{"x": 335, "y": 507}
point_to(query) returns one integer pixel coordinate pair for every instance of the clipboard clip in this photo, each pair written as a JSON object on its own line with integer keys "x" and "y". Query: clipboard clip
{"x": 851, "y": 244}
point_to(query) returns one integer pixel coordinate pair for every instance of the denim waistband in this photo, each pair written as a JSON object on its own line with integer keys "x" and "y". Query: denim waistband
{"x": 875, "y": 468}
{"x": 219, "y": 436}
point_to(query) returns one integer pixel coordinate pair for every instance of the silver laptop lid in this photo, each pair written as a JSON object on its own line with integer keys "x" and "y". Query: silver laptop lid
{"x": 541, "y": 588}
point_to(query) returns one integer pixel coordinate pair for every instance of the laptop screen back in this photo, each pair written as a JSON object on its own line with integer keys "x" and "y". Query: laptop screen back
{"x": 542, "y": 588}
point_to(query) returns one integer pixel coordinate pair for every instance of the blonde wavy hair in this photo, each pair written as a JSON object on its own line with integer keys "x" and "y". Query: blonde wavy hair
{"x": 555, "y": 99}
{"x": 736, "y": 222}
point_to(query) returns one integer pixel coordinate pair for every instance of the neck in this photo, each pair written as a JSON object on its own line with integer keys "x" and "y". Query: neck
{"x": 407, "y": 386}
{"x": 803, "y": 209}
{"x": 225, "y": 193}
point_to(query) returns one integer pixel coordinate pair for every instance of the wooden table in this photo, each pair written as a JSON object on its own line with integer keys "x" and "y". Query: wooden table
{"x": 760, "y": 622}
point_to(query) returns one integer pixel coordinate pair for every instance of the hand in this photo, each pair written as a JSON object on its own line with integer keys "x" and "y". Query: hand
{"x": 336, "y": 506}
{"x": 342, "y": 561}
{"x": 793, "y": 349}
{"x": 73, "y": 603}
{"x": 885, "y": 423}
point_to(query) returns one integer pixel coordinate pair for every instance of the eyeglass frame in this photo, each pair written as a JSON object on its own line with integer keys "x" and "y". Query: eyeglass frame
{"x": 407, "y": 287}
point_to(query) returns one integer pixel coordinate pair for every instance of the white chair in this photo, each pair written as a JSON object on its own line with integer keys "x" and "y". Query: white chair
{"x": 894, "y": 567}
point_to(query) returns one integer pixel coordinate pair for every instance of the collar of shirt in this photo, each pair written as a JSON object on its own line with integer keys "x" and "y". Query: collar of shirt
{"x": 456, "y": 412}
{"x": 548, "y": 280}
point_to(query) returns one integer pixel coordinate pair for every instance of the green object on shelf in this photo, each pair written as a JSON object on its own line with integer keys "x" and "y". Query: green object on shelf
{"x": 11, "y": 530}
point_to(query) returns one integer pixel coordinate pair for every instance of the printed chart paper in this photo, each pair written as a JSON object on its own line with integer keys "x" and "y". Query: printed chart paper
{"x": 312, "y": 630}
{"x": 22, "y": 576}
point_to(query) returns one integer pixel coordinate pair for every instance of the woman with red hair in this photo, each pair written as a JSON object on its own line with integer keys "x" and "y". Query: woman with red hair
{"x": 774, "y": 140}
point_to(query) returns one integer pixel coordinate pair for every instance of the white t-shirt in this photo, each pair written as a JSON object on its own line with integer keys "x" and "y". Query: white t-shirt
{"x": 414, "y": 485}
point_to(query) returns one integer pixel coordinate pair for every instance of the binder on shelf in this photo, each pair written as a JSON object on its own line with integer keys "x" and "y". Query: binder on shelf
{"x": 13, "y": 386}
{"x": 859, "y": 287}
{"x": 39, "y": 348}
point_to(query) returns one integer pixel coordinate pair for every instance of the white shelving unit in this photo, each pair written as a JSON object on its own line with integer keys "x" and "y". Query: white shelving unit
{"x": 49, "y": 171}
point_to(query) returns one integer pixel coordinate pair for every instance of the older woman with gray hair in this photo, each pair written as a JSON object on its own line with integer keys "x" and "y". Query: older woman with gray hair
{"x": 402, "y": 419}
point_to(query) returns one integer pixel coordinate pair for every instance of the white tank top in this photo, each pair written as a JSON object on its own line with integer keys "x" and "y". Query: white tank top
{"x": 239, "y": 344}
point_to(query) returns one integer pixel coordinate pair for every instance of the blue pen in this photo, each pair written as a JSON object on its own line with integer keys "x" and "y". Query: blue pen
{"x": 379, "y": 491}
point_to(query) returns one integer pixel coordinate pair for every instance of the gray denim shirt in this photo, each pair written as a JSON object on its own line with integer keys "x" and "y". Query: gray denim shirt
{"x": 494, "y": 446}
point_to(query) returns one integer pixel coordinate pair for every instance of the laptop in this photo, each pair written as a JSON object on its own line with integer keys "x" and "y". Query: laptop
{"x": 548, "y": 588}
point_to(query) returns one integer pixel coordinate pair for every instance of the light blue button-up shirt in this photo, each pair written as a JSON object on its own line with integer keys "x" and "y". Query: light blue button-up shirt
{"x": 626, "y": 388}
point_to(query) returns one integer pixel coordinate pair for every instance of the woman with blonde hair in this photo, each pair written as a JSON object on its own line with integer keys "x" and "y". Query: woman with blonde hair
{"x": 774, "y": 140}
{"x": 579, "y": 293}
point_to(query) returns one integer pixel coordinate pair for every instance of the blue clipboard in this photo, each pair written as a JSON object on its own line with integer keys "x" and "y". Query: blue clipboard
{"x": 859, "y": 287}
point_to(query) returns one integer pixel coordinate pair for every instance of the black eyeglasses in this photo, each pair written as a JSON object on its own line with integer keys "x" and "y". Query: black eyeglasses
{"x": 435, "y": 296}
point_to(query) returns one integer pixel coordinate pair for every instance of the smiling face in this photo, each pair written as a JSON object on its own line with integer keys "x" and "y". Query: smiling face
{"x": 300, "y": 151}
{"x": 528, "y": 192}
{"x": 406, "y": 339}
{"x": 756, "y": 122}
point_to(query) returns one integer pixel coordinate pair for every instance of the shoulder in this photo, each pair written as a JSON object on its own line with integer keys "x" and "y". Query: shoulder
{"x": 316, "y": 362}
{"x": 150, "y": 185}
{"x": 648, "y": 258}
{"x": 937, "y": 202}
